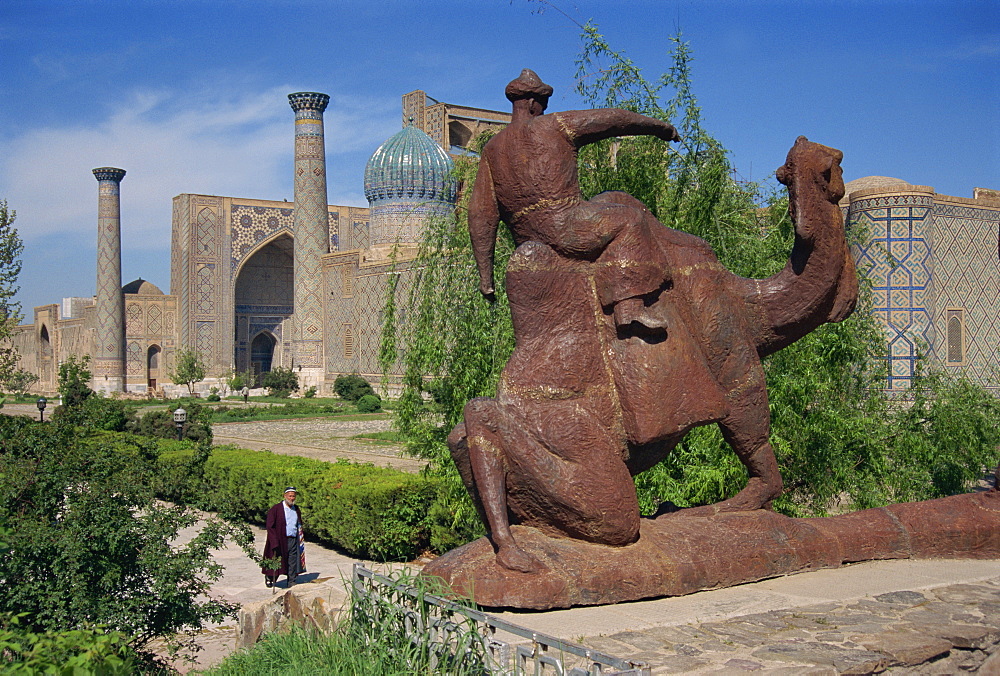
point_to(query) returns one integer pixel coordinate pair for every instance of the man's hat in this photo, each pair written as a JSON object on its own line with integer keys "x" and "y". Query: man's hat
{"x": 527, "y": 85}
{"x": 290, "y": 489}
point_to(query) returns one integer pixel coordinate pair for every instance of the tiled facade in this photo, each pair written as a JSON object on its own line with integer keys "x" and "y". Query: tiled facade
{"x": 934, "y": 265}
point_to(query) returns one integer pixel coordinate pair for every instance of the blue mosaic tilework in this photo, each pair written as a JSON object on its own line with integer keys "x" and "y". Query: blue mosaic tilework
{"x": 896, "y": 257}
{"x": 252, "y": 225}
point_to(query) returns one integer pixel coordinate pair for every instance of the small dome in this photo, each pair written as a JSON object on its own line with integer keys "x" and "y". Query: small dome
{"x": 409, "y": 166}
{"x": 142, "y": 288}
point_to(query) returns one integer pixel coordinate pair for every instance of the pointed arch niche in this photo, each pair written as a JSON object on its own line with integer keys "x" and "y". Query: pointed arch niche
{"x": 263, "y": 295}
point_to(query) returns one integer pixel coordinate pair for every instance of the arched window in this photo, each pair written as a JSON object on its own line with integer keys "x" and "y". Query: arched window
{"x": 152, "y": 366}
{"x": 262, "y": 352}
{"x": 956, "y": 336}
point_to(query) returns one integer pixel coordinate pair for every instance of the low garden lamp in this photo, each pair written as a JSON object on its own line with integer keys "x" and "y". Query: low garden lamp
{"x": 180, "y": 417}
{"x": 41, "y": 403}
{"x": 246, "y": 393}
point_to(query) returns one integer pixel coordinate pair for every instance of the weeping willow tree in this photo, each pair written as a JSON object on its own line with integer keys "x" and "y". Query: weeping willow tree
{"x": 837, "y": 437}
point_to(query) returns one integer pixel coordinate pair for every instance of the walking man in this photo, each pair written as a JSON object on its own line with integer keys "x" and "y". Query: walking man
{"x": 284, "y": 540}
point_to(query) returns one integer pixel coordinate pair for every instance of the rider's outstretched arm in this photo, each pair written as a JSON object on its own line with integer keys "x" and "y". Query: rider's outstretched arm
{"x": 484, "y": 219}
{"x": 589, "y": 126}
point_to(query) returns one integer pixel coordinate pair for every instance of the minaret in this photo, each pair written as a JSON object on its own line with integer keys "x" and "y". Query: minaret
{"x": 109, "y": 338}
{"x": 310, "y": 227}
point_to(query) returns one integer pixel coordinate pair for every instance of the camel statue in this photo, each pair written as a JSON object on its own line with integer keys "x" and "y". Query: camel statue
{"x": 628, "y": 333}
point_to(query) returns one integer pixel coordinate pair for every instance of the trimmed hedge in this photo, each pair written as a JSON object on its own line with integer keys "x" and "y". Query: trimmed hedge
{"x": 367, "y": 511}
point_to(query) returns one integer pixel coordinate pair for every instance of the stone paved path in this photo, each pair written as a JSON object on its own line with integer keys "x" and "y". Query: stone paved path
{"x": 947, "y": 630}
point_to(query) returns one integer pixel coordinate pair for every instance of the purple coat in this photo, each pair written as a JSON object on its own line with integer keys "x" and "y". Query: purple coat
{"x": 276, "y": 546}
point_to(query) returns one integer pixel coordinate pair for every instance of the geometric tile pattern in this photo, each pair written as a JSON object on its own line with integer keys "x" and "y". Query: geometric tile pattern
{"x": 133, "y": 318}
{"x": 204, "y": 341}
{"x": 109, "y": 338}
{"x": 205, "y": 232}
{"x": 360, "y": 231}
{"x": 896, "y": 258}
{"x": 354, "y": 329}
{"x": 967, "y": 288}
{"x": 205, "y": 293}
{"x": 311, "y": 226}
{"x": 133, "y": 356}
{"x": 154, "y": 323}
{"x": 251, "y": 225}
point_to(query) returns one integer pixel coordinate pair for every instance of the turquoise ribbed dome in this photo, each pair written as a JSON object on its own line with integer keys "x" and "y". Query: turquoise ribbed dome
{"x": 409, "y": 166}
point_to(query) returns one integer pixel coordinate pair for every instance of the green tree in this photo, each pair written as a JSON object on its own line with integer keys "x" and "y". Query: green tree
{"x": 189, "y": 368}
{"x": 280, "y": 381}
{"x": 74, "y": 381}
{"x": 89, "y": 544}
{"x": 10, "y": 269}
{"x": 19, "y": 382}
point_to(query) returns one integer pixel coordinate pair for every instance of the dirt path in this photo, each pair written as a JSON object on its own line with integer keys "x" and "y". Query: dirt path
{"x": 320, "y": 438}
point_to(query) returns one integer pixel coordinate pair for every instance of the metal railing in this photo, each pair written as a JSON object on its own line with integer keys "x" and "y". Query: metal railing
{"x": 453, "y": 631}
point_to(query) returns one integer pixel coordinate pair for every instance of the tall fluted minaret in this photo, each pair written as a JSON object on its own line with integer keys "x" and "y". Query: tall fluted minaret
{"x": 109, "y": 339}
{"x": 311, "y": 231}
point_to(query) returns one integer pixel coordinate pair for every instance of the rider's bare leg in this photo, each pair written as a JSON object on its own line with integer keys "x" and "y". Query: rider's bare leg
{"x": 485, "y": 452}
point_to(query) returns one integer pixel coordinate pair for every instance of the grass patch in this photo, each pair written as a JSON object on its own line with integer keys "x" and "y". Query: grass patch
{"x": 289, "y": 409}
{"x": 385, "y": 437}
{"x": 370, "y": 642}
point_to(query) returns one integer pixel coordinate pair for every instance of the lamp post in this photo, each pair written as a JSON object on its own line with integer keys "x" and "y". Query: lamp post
{"x": 41, "y": 403}
{"x": 180, "y": 417}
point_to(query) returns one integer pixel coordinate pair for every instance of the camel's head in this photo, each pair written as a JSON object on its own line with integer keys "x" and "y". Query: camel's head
{"x": 813, "y": 166}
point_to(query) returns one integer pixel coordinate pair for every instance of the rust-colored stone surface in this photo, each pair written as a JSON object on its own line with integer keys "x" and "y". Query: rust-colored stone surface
{"x": 628, "y": 334}
{"x": 681, "y": 553}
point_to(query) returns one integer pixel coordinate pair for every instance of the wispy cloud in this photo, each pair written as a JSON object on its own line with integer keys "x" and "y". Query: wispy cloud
{"x": 217, "y": 142}
{"x": 235, "y": 144}
{"x": 988, "y": 46}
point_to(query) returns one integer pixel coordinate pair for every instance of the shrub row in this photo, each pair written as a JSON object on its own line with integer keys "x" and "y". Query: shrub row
{"x": 223, "y": 413}
{"x": 366, "y": 511}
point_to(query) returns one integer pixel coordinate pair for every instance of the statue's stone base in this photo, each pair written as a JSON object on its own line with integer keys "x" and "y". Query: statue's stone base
{"x": 679, "y": 554}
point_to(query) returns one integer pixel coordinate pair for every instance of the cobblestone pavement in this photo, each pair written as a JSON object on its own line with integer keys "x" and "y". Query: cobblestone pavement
{"x": 948, "y": 630}
{"x": 319, "y": 438}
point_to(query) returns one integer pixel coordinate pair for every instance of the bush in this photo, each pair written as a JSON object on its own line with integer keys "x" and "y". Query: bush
{"x": 97, "y": 412}
{"x": 310, "y": 393}
{"x": 74, "y": 379}
{"x": 352, "y": 387}
{"x": 87, "y": 650}
{"x": 366, "y": 511}
{"x": 160, "y": 423}
{"x": 370, "y": 403}
{"x": 87, "y": 542}
{"x": 281, "y": 382}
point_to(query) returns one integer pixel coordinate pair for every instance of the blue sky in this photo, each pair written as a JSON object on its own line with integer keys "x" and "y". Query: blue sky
{"x": 190, "y": 95}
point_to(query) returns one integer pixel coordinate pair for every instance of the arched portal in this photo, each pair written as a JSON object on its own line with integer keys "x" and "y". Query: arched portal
{"x": 263, "y": 298}
{"x": 152, "y": 366}
{"x": 262, "y": 353}
{"x": 46, "y": 364}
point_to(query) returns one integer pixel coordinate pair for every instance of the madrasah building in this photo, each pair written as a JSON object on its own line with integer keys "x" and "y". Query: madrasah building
{"x": 256, "y": 284}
